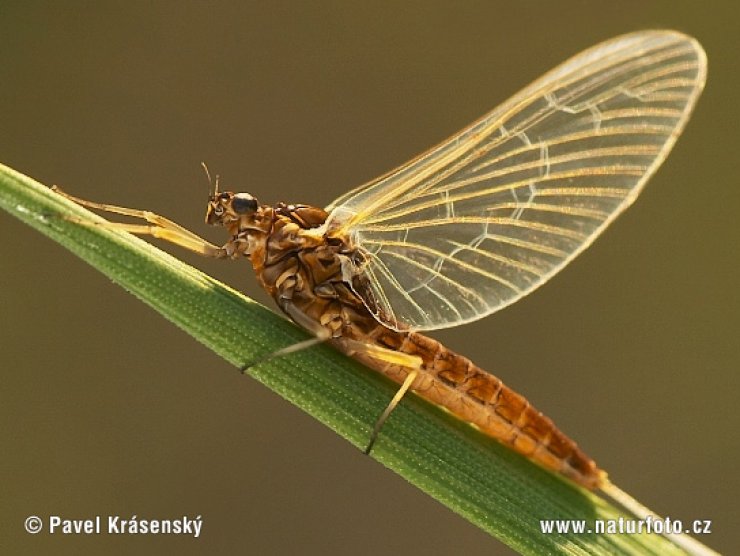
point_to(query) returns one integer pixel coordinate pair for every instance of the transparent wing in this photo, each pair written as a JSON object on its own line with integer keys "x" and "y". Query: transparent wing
{"x": 492, "y": 213}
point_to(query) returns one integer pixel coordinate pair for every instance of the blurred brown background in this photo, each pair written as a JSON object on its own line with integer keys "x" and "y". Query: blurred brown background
{"x": 108, "y": 409}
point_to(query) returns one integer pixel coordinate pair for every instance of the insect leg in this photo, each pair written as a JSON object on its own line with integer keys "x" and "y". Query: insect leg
{"x": 391, "y": 357}
{"x": 162, "y": 228}
{"x": 380, "y": 353}
{"x": 391, "y": 406}
{"x": 300, "y": 346}
{"x": 321, "y": 335}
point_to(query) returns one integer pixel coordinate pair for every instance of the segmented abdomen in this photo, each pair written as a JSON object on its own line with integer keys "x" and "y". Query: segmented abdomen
{"x": 479, "y": 398}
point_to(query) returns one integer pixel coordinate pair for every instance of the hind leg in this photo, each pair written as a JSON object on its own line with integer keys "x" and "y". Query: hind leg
{"x": 411, "y": 362}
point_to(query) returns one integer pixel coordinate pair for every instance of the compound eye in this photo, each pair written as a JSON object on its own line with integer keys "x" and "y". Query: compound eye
{"x": 244, "y": 203}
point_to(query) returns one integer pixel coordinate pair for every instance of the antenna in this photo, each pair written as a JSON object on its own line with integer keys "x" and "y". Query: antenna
{"x": 211, "y": 183}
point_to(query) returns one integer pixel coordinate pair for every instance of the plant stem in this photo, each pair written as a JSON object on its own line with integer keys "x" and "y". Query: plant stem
{"x": 488, "y": 484}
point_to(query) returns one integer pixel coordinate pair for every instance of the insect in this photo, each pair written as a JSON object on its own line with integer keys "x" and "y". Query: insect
{"x": 466, "y": 229}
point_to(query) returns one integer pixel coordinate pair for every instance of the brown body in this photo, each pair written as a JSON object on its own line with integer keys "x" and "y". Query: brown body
{"x": 308, "y": 270}
{"x": 303, "y": 273}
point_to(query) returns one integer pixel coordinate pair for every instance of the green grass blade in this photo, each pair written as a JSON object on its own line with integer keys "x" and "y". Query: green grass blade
{"x": 494, "y": 488}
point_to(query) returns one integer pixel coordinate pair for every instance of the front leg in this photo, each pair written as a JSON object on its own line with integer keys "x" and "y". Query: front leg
{"x": 159, "y": 226}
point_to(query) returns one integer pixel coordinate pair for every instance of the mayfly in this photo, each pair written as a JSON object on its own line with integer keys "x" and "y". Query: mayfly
{"x": 467, "y": 228}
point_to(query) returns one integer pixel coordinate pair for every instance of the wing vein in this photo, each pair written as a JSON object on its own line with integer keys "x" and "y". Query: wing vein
{"x": 492, "y": 213}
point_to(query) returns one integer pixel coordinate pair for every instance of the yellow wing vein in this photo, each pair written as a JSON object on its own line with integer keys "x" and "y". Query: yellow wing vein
{"x": 555, "y": 230}
{"x": 488, "y": 215}
{"x": 614, "y": 192}
{"x": 629, "y": 150}
{"x": 560, "y": 209}
{"x": 445, "y": 257}
{"x": 499, "y": 258}
{"x": 613, "y": 170}
{"x": 433, "y": 165}
{"x": 437, "y": 274}
{"x": 369, "y": 271}
{"x": 532, "y": 246}
{"x": 443, "y": 299}
{"x": 643, "y": 129}
{"x": 604, "y": 76}
{"x": 638, "y": 112}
